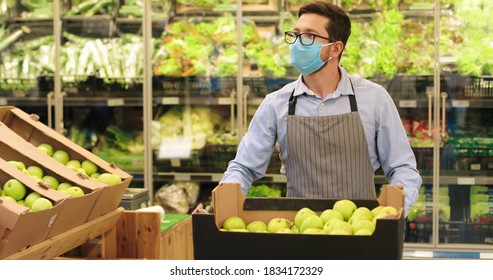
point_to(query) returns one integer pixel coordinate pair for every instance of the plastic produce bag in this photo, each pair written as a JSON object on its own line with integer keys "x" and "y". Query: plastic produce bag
{"x": 177, "y": 197}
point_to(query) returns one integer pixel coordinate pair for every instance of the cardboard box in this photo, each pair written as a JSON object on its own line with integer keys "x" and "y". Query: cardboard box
{"x": 77, "y": 209}
{"x": 29, "y": 128}
{"x": 19, "y": 227}
{"x": 228, "y": 200}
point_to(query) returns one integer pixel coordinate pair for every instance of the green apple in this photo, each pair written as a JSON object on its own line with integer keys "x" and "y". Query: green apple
{"x": 61, "y": 156}
{"x": 15, "y": 189}
{"x": 41, "y": 204}
{"x": 73, "y": 164}
{"x": 301, "y": 215}
{"x": 90, "y": 167}
{"x": 364, "y": 212}
{"x": 256, "y": 226}
{"x": 357, "y": 217}
{"x": 294, "y": 229}
{"x": 64, "y": 186}
{"x": 234, "y": 222}
{"x": 363, "y": 231}
{"x": 9, "y": 199}
{"x": 50, "y": 180}
{"x": 109, "y": 178}
{"x": 376, "y": 210}
{"x": 21, "y": 202}
{"x": 363, "y": 224}
{"x": 94, "y": 175}
{"x": 284, "y": 230}
{"x": 2, "y": 193}
{"x": 74, "y": 191}
{"x": 380, "y": 215}
{"x": 328, "y": 214}
{"x": 18, "y": 164}
{"x": 30, "y": 198}
{"x": 337, "y": 224}
{"x": 339, "y": 231}
{"x": 313, "y": 221}
{"x": 276, "y": 224}
{"x": 35, "y": 171}
{"x": 238, "y": 230}
{"x": 346, "y": 207}
{"x": 314, "y": 231}
{"x": 390, "y": 210}
{"x": 47, "y": 148}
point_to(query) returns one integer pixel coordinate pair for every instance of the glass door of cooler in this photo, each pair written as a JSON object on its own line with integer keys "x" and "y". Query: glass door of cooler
{"x": 393, "y": 45}
{"x": 27, "y": 57}
{"x": 194, "y": 120}
{"x": 466, "y": 167}
{"x": 100, "y": 99}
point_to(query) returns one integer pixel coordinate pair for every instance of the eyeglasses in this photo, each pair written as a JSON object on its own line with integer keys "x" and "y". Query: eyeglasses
{"x": 306, "y": 39}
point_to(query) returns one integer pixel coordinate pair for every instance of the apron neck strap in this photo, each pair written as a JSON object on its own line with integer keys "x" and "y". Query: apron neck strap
{"x": 352, "y": 101}
{"x": 292, "y": 104}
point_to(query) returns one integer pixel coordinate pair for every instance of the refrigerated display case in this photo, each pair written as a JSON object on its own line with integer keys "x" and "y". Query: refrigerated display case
{"x": 166, "y": 90}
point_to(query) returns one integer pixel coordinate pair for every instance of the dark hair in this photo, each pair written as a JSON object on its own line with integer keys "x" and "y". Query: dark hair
{"x": 339, "y": 26}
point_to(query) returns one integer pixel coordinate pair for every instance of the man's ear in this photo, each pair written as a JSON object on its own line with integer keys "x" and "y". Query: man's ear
{"x": 337, "y": 49}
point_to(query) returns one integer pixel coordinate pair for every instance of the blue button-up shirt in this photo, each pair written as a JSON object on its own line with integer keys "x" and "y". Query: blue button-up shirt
{"x": 387, "y": 141}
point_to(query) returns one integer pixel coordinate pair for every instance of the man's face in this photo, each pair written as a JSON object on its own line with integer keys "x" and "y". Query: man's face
{"x": 315, "y": 24}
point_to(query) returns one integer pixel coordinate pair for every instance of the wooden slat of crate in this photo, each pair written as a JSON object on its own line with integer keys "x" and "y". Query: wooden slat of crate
{"x": 177, "y": 242}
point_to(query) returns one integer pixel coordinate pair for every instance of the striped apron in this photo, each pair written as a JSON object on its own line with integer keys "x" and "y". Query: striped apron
{"x": 328, "y": 156}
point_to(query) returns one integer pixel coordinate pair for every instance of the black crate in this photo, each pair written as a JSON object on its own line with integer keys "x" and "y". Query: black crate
{"x": 184, "y": 86}
{"x": 276, "y": 84}
{"x": 405, "y": 86}
{"x": 257, "y": 86}
{"x": 478, "y": 87}
{"x": 467, "y": 158}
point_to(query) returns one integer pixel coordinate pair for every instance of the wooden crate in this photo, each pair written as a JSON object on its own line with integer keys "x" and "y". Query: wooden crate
{"x": 139, "y": 235}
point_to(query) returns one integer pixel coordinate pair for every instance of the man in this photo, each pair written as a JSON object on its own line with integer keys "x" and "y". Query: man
{"x": 334, "y": 130}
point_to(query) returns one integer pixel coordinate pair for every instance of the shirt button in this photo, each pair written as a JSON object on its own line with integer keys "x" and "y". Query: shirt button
{"x": 322, "y": 104}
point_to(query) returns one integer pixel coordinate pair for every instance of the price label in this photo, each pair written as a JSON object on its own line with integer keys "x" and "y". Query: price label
{"x": 175, "y": 162}
{"x": 466, "y": 181}
{"x": 116, "y": 102}
{"x": 421, "y": 254}
{"x": 460, "y": 103}
{"x": 279, "y": 178}
{"x": 216, "y": 177}
{"x": 3, "y": 101}
{"x": 476, "y": 167}
{"x": 170, "y": 100}
{"x": 182, "y": 177}
{"x": 408, "y": 103}
{"x": 225, "y": 101}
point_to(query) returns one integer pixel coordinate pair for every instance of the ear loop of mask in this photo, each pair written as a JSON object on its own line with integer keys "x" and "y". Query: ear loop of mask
{"x": 330, "y": 57}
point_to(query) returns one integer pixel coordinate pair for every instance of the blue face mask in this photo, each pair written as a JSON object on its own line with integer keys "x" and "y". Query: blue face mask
{"x": 307, "y": 58}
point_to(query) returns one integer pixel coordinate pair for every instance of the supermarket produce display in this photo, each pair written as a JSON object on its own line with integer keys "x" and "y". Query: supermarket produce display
{"x": 195, "y": 94}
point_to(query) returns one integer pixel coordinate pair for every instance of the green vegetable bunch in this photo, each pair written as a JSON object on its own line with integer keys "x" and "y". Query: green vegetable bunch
{"x": 476, "y": 53}
{"x": 200, "y": 123}
{"x": 264, "y": 190}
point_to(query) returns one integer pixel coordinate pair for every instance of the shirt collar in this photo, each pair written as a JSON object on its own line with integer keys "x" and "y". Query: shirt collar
{"x": 343, "y": 88}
